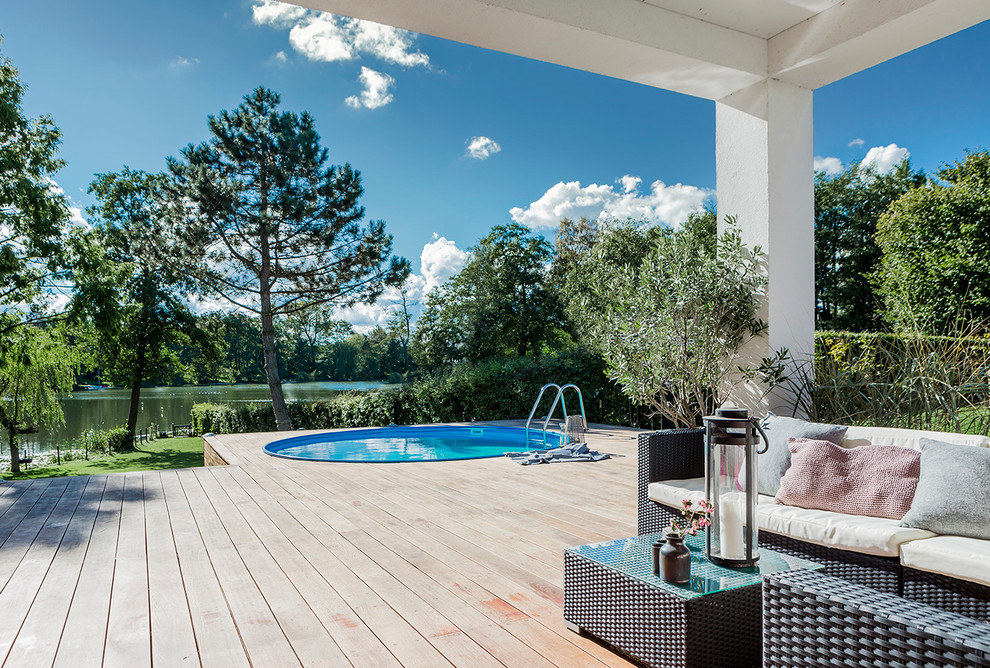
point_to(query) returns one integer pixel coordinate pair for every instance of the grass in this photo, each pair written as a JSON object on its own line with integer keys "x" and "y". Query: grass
{"x": 165, "y": 453}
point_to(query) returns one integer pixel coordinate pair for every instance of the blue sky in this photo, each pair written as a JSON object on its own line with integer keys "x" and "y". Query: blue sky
{"x": 133, "y": 82}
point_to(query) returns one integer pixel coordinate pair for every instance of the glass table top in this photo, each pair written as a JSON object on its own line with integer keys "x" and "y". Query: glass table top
{"x": 633, "y": 557}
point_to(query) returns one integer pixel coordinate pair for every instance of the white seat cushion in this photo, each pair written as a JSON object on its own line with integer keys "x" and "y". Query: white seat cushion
{"x": 867, "y": 535}
{"x": 906, "y": 438}
{"x": 673, "y": 492}
{"x": 955, "y": 556}
{"x": 878, "y": 536}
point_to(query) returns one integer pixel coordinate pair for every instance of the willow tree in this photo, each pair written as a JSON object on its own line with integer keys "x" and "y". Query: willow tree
{"x": 36, "y": 367}
{"x": 268, "y": 226}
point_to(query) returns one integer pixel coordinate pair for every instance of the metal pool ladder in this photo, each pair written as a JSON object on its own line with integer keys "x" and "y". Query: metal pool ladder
{"x": 559, "y": 398}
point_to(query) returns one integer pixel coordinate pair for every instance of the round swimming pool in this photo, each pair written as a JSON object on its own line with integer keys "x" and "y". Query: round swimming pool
{"x": 407, "y": 444}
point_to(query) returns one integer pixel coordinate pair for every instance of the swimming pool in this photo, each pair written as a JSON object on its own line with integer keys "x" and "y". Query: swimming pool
{"x": 409, "y": 444}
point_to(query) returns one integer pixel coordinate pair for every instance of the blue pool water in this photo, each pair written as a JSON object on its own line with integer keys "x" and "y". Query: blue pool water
{"x": 407, "y": 444}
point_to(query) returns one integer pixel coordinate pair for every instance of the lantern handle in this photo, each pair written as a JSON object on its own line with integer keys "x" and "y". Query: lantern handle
{"x": 766, "y": 441}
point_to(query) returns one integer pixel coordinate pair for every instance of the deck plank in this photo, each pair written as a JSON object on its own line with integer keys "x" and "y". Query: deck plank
{"x": 314, "y": 538}
{"x": 358, "y": 643}
{"x": 173, "y": 641}
{"x": 302, "y": 628}
{"x": 129, "y": 624}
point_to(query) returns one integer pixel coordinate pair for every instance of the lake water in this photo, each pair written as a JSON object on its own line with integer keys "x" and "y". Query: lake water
{"x": 103, "y": 409}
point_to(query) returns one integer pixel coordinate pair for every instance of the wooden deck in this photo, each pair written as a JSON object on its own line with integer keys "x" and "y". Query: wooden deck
{"x": 273, "y": 562}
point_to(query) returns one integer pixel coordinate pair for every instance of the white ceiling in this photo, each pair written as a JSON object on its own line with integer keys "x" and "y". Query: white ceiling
{"x": 707, "y": 48}
{"x": 759, "y": 18}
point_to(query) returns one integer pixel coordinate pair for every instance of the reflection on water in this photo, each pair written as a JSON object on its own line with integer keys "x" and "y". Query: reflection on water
{"x": 162, "y": 406}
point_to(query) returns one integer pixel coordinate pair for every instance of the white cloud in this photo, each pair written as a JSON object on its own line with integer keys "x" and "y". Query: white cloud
{"x": 883, "y": 159}
{"x": 831, "y": 166}
{"x": 181, "y": 63}
{"x": 439, "y": 260}
{"x": 278, "y": 13}
{"x": 663, "y": 204}
{"x": 386, "y": 43}
{"x": 375, "y": 93}
{"x": 76, "y": 218}
{"x": 322, "y": 38}
{"x": 279, "y": 58}
{"x": 365, "y": 317}
{"x": 481, "y": 148}
{"x": 856, "y": 142}
{"x": 329, "y": 38}
{"x": 629, "y": 183}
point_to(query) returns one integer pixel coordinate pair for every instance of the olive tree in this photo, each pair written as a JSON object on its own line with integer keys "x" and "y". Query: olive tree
{"x": 674, "y": 324}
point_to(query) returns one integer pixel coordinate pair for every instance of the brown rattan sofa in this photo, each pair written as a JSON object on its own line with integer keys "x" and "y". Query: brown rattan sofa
{"x": 676, "y": 455}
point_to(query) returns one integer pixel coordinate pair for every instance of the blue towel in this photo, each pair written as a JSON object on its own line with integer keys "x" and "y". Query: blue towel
{"x": 572, "y": 452}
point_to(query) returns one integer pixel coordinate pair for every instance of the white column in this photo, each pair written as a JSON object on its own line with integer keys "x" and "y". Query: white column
{"x": 765, "y": 177}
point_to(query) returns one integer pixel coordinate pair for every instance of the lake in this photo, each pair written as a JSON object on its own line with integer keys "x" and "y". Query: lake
{"x": 103, "y": 409}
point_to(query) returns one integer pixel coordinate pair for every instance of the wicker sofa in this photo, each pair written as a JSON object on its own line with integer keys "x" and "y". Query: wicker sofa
{"x": 902, "y": 563}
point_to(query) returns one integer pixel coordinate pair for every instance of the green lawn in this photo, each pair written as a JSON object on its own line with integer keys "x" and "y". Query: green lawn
{"x": 165, "y": 453}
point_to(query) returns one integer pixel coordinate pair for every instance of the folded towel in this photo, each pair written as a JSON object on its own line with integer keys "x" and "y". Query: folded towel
{"x": 572, "y": 452}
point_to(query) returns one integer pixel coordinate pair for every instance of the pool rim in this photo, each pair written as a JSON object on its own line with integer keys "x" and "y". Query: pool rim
{"x": 430, "y": 427}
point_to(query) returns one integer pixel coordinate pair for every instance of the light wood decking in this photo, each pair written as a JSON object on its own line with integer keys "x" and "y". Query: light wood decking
{"x": 272, "y": 562}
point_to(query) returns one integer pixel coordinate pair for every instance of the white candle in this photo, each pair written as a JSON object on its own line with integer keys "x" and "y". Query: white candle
{"x": 730, "y": 520}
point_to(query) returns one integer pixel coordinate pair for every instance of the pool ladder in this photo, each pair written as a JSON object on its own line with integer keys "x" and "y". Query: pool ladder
{"x": 559, "y": 398}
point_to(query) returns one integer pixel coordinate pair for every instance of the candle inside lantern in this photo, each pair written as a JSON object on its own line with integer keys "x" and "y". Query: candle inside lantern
{"x": 731, "y": 543}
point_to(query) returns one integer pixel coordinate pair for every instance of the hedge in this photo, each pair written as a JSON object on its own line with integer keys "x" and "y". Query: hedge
{"x": 915, "y": 381}
{"x": 489, "y": 391}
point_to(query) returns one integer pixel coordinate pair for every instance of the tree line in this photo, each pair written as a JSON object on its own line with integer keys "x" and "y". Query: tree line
{"x": 311, "y": 346}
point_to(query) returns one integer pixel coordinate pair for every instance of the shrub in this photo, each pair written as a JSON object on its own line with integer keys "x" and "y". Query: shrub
{"x": 671, "y": 329}
{"x": 116, "y": 439}
{"x": 914, "y": 381}
{"x": 495, "y": 390}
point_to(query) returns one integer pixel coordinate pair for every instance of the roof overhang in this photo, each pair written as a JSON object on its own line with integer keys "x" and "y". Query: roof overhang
{"x": 710, "y": 49}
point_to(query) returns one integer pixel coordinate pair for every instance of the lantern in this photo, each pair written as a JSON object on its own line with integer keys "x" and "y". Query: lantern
{"x": 730, "y": 486}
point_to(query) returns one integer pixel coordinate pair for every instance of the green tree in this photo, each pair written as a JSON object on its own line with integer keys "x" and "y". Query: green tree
{"x": 847, "y": 208}
{"x": 935, "y": 267}
{"x": 499, "y": 305}
{"x": 309, "y": 335}
{"x": 243, "y": 361}
{"x": 36, "y": 365}
{"x": 587, "y": 255}
{"x": 138, "y": 311}
{"x": 272, "y": 229}
{"x": 675, "y": 324}
{"x": 33, "y": 212}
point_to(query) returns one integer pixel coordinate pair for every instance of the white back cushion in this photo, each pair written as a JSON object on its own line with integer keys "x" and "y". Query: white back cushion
{"x": 907, "y": 438}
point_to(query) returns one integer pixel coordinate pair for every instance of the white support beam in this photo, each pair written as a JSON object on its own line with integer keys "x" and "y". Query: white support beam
{"x": 764, "y": 173}
{"x": 626, "y": 39}
{"x": 858, "y": 34}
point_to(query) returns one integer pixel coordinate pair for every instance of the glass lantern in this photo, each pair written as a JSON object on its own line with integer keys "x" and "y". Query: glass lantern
{"x": 730, "y": 486}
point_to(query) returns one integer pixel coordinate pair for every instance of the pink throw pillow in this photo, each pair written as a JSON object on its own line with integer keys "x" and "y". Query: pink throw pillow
{"x": 872, "y": 480}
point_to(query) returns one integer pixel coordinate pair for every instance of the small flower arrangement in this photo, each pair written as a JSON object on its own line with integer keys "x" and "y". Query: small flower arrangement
{"x": 695, "y": 517}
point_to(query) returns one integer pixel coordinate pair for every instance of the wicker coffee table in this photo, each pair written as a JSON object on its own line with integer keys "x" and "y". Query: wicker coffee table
{"x": 610, "y": 592}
